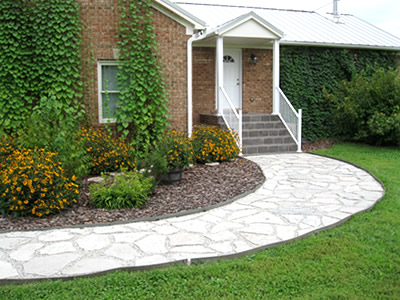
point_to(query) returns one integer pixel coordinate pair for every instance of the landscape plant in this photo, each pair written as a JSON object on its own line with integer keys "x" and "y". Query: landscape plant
{"x": 142, "y": 105}
{"x": 107, "y": 153}
{"x": 306, "y": 71}
{"x": 33, "y": 182}
{"x": 367, "y": 108}
{"x": 55, "y": 128}
{"x": 40, "y": 59}
{"x": 214, "y": 144}
{"x": 124, "y": 190}
{"x": 172, "y": 152}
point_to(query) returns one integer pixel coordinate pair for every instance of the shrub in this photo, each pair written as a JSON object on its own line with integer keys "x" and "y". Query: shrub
{"x": 367, "y": 109}
{"x": 176, "y": 148}
{"x": 172, "y": 152}
{"x": 214, "y": 144}
{"x": 33, "y": 182}
{"x": 107, "y": 154}
{"x": 130, "y": 189}
{"x": 51, "y": 127}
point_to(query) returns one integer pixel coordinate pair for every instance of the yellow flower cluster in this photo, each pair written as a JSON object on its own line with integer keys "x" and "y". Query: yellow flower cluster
{"x": 179, "y": 151}
{"x": 32, "y": 182}
{"x": 107, "y": 154}
{"x": 213, "y": 144}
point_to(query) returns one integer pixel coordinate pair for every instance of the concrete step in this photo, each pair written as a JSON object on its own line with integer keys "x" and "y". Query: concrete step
{"x": 265, "y": 149}
{"x": 284, "y": 140}
{"x": 265, "y": 133}
{"x": 259, "y": 117}
{"x": 262, "y": 125}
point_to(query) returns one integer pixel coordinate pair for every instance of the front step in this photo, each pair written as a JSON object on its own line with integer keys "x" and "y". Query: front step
{"x": 265, "y": 134}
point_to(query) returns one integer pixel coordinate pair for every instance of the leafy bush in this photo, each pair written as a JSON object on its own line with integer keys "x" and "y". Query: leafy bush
{"x": 173, "y": 151}
{"x": 51, "y": 127}
{"x": 306, "y": 71}
{"x": 367, "y": 109}
{"x": 176, "y": 148}
{"x": 33, "y": 182}
{"x": 107, "y": 154}
{"x": 214, "y": 144}
{"x": 130, "y": 189}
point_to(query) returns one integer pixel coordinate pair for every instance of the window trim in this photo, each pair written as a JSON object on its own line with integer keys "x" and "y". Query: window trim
{"x": 100, "y": 91}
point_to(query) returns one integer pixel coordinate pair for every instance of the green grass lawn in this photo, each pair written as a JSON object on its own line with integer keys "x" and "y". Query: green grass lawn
{"x": 359, "y": 259}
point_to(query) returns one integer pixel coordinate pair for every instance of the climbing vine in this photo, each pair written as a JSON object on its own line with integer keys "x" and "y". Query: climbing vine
{"x": 40, "y": 58}
{"x": 142, "y": 106}
{"x": 307, "y": 71}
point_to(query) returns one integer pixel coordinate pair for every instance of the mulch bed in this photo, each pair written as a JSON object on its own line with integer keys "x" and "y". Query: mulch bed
{"x": 201, "y": 186}
{"x": 318, "y": 145}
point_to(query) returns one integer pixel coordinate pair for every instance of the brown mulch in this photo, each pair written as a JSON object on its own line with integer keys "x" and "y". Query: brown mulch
{"x": 201, "y": 186}
{"x": 318, "y": 145}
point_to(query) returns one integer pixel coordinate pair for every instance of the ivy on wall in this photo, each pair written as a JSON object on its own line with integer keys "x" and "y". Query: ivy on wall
{"x": 142, "y": 110}
{"x": 306, "y": 71}
{"x": 40, "y": 58}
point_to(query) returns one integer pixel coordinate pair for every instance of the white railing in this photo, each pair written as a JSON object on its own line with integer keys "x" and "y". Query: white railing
{"x": 290, "y": 118}
{"x": 231, "y": 117}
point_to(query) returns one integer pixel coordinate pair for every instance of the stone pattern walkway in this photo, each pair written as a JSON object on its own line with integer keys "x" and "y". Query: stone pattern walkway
{"x": 303, "y": 193}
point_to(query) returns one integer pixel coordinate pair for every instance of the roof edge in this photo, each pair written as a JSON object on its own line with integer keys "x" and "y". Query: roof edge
{"x": 340, "y": 45}
{"x": 198, "y": 23}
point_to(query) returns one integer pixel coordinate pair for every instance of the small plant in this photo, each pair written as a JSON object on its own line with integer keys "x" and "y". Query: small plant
{"x": 173, "y": 152}
{"x": 214, "y": 144}
{"x": 130, "y": 189}
{"x": 107, "y": 154}
{"x": 33, "y": 182}
{"x": 177, "y": 149}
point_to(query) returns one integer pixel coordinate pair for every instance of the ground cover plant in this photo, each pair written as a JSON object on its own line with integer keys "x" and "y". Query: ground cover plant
{"x": 125, "y": 190}
{"x": 358, "y": 260}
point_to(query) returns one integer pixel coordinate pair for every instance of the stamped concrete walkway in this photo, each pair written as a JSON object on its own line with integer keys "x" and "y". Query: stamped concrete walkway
{"x": 303, "y": 193}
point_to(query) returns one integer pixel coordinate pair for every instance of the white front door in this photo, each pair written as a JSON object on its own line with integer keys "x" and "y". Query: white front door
{"x": 233, "y": 75}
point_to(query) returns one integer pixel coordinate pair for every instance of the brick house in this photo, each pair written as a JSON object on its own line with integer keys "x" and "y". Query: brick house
{"x": 224, "y": 69}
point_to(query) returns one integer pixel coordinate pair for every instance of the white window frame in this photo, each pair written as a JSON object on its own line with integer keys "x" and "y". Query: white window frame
{"x": 100, "y": 92}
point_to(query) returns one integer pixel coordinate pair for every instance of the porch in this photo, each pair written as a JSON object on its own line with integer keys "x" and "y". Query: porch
{"x": 234, "y": 82}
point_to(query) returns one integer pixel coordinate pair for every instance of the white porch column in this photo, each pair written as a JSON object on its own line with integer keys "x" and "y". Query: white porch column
{"x": 220, "y": 70}
{"x": 275, "y": 71}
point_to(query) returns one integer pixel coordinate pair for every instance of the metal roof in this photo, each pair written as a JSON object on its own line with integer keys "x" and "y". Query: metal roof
{"x": 302, "y": 27}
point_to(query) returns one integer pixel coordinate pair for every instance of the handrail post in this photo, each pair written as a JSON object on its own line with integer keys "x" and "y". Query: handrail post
{"x": 299, "y": 129}
{"x": 240, "y": 129}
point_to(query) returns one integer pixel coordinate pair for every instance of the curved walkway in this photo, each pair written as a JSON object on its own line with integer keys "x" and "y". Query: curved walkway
{"x": 303, "y": 193}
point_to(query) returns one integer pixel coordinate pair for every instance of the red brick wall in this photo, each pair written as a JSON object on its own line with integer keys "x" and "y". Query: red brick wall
{"x": 172, "y": 40}
{"x": 257, "y": 81}
{"x": 100, "y": 19}
{"x": 203, "y": 82}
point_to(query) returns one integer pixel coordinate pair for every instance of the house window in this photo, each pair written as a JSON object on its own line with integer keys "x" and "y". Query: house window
{"x": 108, "y": 90}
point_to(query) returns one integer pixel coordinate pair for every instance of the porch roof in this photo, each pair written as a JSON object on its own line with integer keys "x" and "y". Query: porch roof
{"x": 300, "y": 27}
